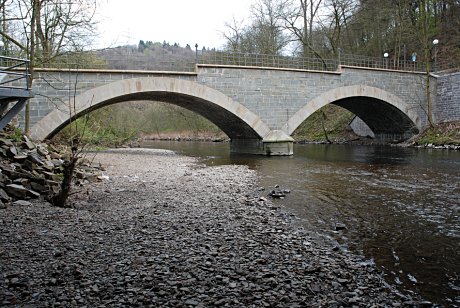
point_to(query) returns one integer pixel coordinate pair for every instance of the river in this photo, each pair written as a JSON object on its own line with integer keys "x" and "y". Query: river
{"x": 400, "y": 206}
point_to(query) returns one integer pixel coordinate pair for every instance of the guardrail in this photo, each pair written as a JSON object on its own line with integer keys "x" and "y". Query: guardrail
{"x": 186, "y": 61}
{"x": 381, "y": 63}
{"x": 263, "y": 60}
{"x": 14, "y": 73}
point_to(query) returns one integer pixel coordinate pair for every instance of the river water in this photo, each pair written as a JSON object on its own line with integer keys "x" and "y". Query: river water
{"x": 400, "y": 206}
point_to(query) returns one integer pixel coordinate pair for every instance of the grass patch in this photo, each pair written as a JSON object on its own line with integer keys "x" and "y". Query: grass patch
{"x": 441, "y": 134}
{"x": 330, "y": 120}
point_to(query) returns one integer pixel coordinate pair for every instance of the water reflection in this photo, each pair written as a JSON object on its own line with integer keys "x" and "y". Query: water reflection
{"x": 401, "y": 206}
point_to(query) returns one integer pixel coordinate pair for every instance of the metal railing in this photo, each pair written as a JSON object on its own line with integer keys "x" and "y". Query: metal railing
{"x": 185, "y": 62}
{"x": 264, "y": 60}
{"x": 381, "y": 63}
{"x": 14, "y": 73}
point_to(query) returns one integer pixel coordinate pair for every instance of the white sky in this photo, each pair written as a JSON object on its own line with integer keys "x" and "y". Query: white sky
{"x": 176, "y": 21}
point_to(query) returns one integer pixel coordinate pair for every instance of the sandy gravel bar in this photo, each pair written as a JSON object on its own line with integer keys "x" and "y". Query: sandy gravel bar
{"x": 166, "y": 231}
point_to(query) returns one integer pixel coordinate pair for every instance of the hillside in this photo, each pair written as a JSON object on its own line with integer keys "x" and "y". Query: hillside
{"x": 149, "y": 56}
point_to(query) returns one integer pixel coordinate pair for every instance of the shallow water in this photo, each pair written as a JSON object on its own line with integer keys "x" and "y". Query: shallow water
{"x": 400, "y": 206}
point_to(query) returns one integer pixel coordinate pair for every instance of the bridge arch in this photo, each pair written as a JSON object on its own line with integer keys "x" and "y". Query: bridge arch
{"x": 234, "y": 119}
{"x": 382, "y": 111}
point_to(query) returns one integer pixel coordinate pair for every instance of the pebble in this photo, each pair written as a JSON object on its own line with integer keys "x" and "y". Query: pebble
{"x": 166, "y": 241}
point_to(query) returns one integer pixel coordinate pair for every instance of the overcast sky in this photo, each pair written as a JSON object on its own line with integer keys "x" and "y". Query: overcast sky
{"x": 176, "y": 21}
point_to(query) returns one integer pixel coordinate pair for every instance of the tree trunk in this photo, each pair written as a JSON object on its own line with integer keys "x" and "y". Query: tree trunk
{"x": 60, "y": 198}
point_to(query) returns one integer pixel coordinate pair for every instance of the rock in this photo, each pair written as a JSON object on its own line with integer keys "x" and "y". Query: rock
{"x": 20, "y": 191}
{"x": 12, "y": 151}
{"x": 339, "y": 227}
{"x": 4, "y": 196}
{"x": 21, "y": 203}
{"x": 33, "y": 194}
{"x": 2, "y": 205}
{"x": 42, "y": 150}
{"x": 52, "y": 176}
{"x": 6, "y": 142}
{"x": 21, "y": 181}
{"x": 191, "y": 302}
{"x": 17, "y": 190}
{"x": 37, "y": 187}
{"x": 35, "y": 158}
{"x": 4, "y": 180}
{"x": 277, "y": 194}
{"x": 103, "y": 178}
{"x": 20, "y": 157}
{"x": 57, "y": 162}
{"x": 48, "y": 165}
{"x": 27, "y": 143}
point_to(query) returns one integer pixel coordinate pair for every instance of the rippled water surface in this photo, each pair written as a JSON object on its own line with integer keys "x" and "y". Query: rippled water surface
{"x": 400, "y": 206}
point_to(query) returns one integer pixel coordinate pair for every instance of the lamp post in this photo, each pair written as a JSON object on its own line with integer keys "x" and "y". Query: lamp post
{"x": 2, "y": 45}
{"x": 385, "y": 55}
{"x": 196, "y": 53}
{"x": 435, "y": 44}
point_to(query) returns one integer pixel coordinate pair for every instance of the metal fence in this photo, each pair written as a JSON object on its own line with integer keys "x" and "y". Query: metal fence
{"x": 185, "y": 62}
{"x": 263, "y": 60}
{"x": 14, "y": 73}
{"x": 381, "y": 63}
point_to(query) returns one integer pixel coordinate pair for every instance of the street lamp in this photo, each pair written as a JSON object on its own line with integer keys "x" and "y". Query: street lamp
{"x": 2, "y": 45}
{"x": 435, "y": 44}
{"x": 385, "y": 55}
{"x": 196, "y": 53}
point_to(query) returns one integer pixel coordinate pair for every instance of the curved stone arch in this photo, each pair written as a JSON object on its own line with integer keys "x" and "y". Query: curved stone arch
{"x": 232, "y": 117}
{"x": 358, "y": 93}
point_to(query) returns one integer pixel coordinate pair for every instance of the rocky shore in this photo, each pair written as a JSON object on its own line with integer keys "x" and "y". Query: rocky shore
{"x": 35, "y": 171}
{"x": 166, "y": 231}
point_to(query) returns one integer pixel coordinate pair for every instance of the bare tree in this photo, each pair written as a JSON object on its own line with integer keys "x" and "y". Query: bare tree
{"x": 234, "y": 35}
{"x": 335, "y": 24}
{"x": 44, "y": 29}
{"x": 300, "y": 18}
{"x": 266, "y": 32}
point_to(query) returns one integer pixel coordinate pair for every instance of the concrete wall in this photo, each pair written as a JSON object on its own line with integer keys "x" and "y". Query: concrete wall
{"x": 447, "y": 106}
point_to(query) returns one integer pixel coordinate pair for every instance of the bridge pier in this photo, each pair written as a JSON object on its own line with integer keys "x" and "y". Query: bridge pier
{"x": 276, "y": 143}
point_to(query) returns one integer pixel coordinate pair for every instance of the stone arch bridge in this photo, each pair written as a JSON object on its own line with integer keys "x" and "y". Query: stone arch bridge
{"x": 258, "y": 108}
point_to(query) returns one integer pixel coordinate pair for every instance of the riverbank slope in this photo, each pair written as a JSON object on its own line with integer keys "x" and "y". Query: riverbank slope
{"x": 168, "y": 231}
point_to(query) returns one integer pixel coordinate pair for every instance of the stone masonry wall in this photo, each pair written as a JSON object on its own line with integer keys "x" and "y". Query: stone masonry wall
{"x": 54, "y": 89}
{"x": 447, "y": 106}
{"x": 276, "y": 95}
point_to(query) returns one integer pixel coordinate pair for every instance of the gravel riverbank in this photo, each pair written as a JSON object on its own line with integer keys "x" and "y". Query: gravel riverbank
{"x": 166, "y": 231}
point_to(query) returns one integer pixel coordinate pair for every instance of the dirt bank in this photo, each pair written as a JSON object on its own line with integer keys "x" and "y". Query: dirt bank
{"x": 165, "y": 231}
